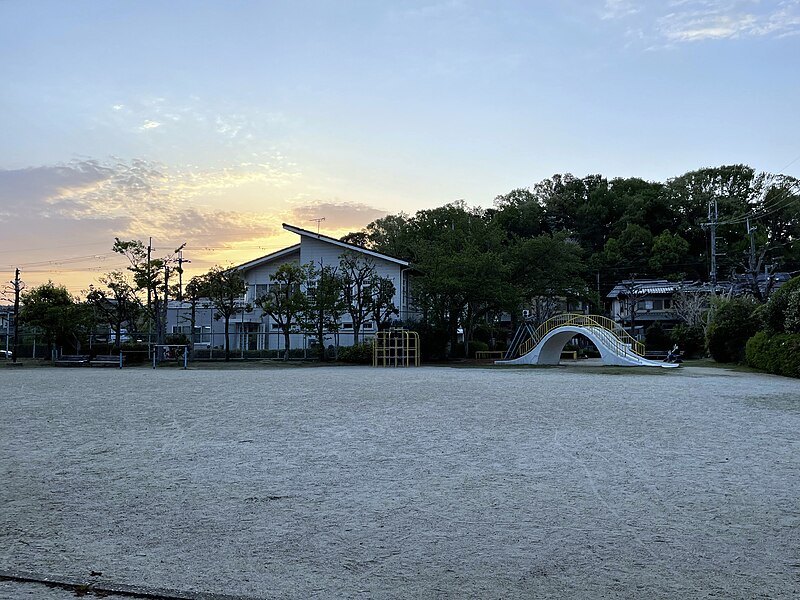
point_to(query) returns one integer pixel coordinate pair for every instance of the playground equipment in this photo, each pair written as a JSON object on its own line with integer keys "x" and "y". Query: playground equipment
{"x": 396, "y": 348}
{"x": 543, "y": 345}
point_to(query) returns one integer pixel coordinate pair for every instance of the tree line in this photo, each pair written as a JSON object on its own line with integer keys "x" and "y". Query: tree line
{"x": 300, "y": 298}
{"x": 562, "y": 238}
{"x": 575, "y": 238}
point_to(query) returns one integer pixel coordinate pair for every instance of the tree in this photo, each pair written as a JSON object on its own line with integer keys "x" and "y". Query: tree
{"x": 545, "y": 270}
{"x": 630, "y": 251}
{"x": 359, "y": 279}
{"x": 324, "y": 306}
{"x": 669, "y": 255}
{"x": 391, "y": 235}
{"x": 224, "y": 288}
{"x": 285, "y": 300}
{"x": 692, "y": 305}
{"x": 632, "y": 291}
{"x": 461, "y": 256}
{"x": 151, "y": 276}
{"x": 519, "y": 214}
{"x": 194, "y": 291}
{"x": 732, "y": 324}
{"x": 117, "y": 305}
{"x": 61, "y": 318}
{"x": 381, "y": 302}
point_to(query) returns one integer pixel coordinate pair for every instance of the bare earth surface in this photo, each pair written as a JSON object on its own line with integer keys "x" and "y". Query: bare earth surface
{"x": 420, "y": 483}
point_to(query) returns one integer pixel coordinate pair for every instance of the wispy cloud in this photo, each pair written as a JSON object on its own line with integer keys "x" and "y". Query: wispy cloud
{"x": 615, "y": 9}
{"x": 337, "y": 215}
{"x": 129, "y": 198}
{"x": 94, "y": 201}
{"x": 680, "y": 21}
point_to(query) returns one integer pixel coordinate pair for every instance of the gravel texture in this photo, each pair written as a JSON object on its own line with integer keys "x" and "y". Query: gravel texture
{"x": 420, "y": 483}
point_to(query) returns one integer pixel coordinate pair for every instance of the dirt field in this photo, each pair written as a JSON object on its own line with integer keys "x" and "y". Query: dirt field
{"x": 421, "y": 483}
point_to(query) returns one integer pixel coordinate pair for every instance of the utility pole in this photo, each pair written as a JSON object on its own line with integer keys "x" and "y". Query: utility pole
{"x": 712, "y": 225}
{"x": 751, "y": 231}
{"x": 752, "y": 271}
{"x": 149, "y": 285}
{"x": 17, "y": 288}
{"x": 181, "y": 260}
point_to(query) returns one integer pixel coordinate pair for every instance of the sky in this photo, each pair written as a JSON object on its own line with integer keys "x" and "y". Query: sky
{"x": 210, "y": 123}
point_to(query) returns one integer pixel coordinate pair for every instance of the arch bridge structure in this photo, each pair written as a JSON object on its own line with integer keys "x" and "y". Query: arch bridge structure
{"x": 543, "y": 345}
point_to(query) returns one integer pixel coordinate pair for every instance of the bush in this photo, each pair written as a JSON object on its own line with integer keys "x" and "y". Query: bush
{"x": 792, "y": 315}
{"x": 775, "y": 312}
{"x": 778, "y": 354}
{"x": 656, "y": 338}
{"x": 733, "y": 324}
{"x": 474, "y": 346}
{"x": 690, "y": 340}
{"x": 135, "y": 353}
{"x": 357, "y": 353}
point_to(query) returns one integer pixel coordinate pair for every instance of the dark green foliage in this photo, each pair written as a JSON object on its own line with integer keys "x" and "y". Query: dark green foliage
{"x": 690, "y": 340}
{"x": 733, "y": 323}
{"x": 357, "y": 353}
{"x": 474, "y": 346}
{"x": 792, "y": 320}
{"x": 778, "y": 354}
{"x": 61, "y": 319}
{"x": 656, "y": 338}
{"x": 775, "y": 311}
{"x": 135, "y": 354}
{"x": 224, "y": 286}
{"x": 669, "y": 255}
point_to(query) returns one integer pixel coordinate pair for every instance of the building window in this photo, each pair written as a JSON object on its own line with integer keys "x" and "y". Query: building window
{"x": 347, "y": 326}
{"x": 260, "y": 290}
{"x": 368, "y": 325}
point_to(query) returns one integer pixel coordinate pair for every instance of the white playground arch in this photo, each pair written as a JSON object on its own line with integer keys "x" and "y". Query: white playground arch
{"x": 544, "y": 345}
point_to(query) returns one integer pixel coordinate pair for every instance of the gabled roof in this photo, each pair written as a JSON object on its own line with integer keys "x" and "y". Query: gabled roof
{"x": 656, "y": 287}
{"x": 341, "y": 244}
{"x": 269, "y": 258}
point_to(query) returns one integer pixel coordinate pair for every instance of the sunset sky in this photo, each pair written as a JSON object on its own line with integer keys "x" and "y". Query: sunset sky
{"x": 210, "y": 123}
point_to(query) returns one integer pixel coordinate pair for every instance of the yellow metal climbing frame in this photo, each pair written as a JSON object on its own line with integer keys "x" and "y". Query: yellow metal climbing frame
{"x": 619, "y": 340}
{"x": 396, "y": 348}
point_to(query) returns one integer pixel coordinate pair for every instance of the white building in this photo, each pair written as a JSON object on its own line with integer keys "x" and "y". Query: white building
{"x": 257, "y": 331}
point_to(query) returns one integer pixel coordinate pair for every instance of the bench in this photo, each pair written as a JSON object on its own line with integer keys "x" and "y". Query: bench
{"x": 569, "y": 354}
{"x": 106, "y": 360}
{"x": 656, "y": 354}
{"x": 74, "y": 360}
{"x": 485, "y": 354}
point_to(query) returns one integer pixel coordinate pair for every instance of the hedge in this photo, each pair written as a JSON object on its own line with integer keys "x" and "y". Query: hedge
{"x": 778, "y": 354}
{"x": 357, "y": 353}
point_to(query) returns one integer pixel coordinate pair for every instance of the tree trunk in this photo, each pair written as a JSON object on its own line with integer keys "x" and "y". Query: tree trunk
{"x": 227, "y": 339}
{"x": 286, "y": 344}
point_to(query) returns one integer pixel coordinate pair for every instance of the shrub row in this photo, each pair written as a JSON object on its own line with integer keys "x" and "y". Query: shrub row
{"x": 358, "y": 353}
{"x": 778, "y": 354}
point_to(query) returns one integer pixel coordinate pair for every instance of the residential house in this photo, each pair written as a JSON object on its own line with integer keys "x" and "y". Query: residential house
{"x": 638, "y": 303}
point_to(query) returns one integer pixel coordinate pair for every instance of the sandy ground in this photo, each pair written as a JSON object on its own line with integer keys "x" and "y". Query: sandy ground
{"x": 420, "y": 483}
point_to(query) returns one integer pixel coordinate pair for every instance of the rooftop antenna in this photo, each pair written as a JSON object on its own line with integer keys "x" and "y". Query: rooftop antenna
{"x": 318, "y": 222}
